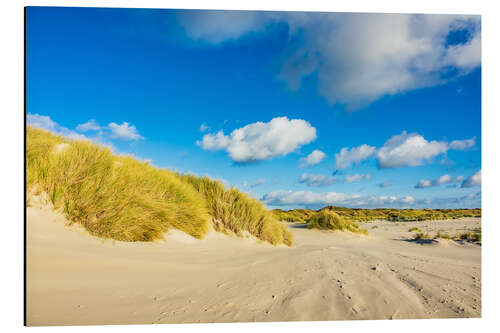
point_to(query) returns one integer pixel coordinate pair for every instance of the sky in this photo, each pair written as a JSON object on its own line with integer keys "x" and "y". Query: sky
{"x": 298, "y": 109}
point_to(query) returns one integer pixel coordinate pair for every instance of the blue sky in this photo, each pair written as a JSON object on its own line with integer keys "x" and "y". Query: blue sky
{"x": 389, "y": 104}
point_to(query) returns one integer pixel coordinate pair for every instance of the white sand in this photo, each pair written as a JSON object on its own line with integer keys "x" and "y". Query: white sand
{"x": 76, "y": 279}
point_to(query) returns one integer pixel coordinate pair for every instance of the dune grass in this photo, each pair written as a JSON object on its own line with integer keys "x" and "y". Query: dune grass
{"x": 234, "y": 211}
{"x": 441, "y": 234}
{"x": 417, "y": 229}
{"x": 328, "y": 220}
{"x": 388, "y": 214}
{"x": 121, "y": 198}
{"x": 420, "y": 235}
{"x": 294, "y": 215}
{"x": 470, "y": 236}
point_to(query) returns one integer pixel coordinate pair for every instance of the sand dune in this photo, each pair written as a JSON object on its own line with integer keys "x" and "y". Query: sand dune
{"x": 73, "y": 278}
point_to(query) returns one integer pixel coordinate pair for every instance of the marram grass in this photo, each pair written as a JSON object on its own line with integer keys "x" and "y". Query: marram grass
{"x": 121, "y": 198}
{"x": 329, "y": 220}
{"x": 234, "y": 211}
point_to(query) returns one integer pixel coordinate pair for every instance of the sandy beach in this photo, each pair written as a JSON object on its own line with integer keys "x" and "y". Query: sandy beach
{"x": 76, "y": 279}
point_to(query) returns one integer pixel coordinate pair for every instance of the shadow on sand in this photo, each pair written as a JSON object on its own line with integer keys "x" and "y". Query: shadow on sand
{"x": 298, "y": 225}
{"x": 417, "y": 241}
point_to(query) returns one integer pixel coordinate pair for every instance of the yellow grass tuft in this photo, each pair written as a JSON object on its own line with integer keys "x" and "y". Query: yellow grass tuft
{"x": 121, "y": 198}
{"x": 329, "y": 220}
{"x": 234, "y": 211}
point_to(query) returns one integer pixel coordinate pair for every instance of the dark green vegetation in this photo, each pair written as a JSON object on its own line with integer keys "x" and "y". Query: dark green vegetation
{"x": 389, "y": 214}
{"x": 121, "y": 198}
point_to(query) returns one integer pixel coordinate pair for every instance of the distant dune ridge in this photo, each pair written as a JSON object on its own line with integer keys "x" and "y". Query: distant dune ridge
{"x": 121, "y": 198}
{"x": 389, "y": 214}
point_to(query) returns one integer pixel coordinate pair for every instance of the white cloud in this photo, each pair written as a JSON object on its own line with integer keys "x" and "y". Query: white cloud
{"x": 444, "y": 179}
{"x": 358, "y": 58}
{"x": 312, "y": 159}
{"x": 313, "y": 199}
{"x": 400, "y": 150}
{"x": 347, "y": 156}
{"x": 316, "y": 180}
{"x": 204, "y": 127}
{"x": 408, "y": 150}
{"x": 216, "y": 26}
{"x": 474, "y": 180}
{"x": 356, "y": 178}
{"x": 91, "y": 125}
{"x": 261, "y": 141}
{"x": 44, "y": 122}
{"x": 124, "y": 131}
{"x": 245, "y": 183}
{"x": 258, "y": 182}
{"x": 462, "y": 144}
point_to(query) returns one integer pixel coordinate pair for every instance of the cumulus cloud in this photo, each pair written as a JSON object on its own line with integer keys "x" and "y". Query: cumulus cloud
{"x": 124, "y": 131}
{"x": 444, "y": 179}
{"x": 358, "y": 58}
{"x": 347, "y": 156}
{"x": 313, "y": 199}
{"x": 312, "y": 159}
{"x": 261, "y": 141}
{"x": 316, "y": 180}
{"x": 258, "y": 182}
{"x": 91, "y": 125}
{"x": 405, "y": 149}
{"x": 474, "y": 180}
{"x": 409, "y": 150}
{"x": 356, "y": 178}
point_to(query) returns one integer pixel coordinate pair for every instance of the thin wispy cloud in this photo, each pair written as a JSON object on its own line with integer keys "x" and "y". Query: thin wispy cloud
{"x": 316, "y": 180}
{"x": 385, "y": 184}
{"x": 46, "y": 123}
{"x": 91, "y": 125}
{"x": 258, "y": 182}
{"x": 204, "y": 127}
{"x": 356, "y": 178}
